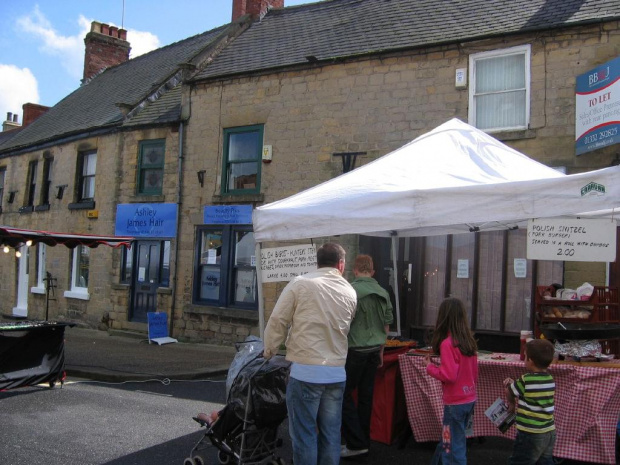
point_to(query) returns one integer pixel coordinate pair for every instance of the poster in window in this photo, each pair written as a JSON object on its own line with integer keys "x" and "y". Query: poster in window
{"x": 210, "y": 284}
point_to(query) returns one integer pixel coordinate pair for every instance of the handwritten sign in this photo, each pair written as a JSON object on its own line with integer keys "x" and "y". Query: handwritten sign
{"x": 575, "y": 240}
{"x": 285, "y": 263}
{"x": 158, "y": 324}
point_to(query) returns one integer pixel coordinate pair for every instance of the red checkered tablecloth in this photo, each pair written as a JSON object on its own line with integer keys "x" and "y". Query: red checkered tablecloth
{"x": 586, "y": 411}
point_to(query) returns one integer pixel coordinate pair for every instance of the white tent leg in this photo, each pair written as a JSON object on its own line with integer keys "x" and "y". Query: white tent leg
{"x": 259, "y": 278}
{"x": 396, "y": 282}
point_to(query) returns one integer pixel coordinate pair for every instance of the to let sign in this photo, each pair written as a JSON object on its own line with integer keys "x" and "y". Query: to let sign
{"x": 575, "y": 240}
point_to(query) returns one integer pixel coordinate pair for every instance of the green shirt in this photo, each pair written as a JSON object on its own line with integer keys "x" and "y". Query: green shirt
{"x": 535, "y": 407}
{"x": 374, "y": 311}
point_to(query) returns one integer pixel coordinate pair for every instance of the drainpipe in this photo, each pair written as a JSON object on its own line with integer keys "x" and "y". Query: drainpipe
{"x": 178, "y": 226}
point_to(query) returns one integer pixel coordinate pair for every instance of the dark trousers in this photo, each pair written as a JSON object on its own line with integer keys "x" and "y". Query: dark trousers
{"x": 361, "y": 368}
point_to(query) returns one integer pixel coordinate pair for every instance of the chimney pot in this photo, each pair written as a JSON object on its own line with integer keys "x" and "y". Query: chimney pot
{"x": 114, "y": 32}
{"x": 15, "y": 118}
{"x": 9, "y": 115}
{"x": 105, "y": 29}
{"x": 122, "y": 34}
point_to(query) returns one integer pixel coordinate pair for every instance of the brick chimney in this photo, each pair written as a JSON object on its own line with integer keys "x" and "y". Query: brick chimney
{"x": 255, "y": 8}
{"x": 106, "y": 46}
{"x": 32, "y": 111}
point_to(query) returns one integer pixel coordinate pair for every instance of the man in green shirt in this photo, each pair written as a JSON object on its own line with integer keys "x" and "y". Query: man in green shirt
{"x": 365, "y": 354}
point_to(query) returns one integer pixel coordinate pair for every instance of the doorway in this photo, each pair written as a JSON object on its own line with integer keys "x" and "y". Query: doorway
{"x": 22, "y": 264}
{"x": 148, "y": 274}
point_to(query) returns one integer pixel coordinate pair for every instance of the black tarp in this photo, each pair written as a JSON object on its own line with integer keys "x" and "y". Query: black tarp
{"x": 31, "y": 352}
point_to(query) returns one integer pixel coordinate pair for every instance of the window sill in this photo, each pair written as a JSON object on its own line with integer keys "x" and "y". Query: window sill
{"x": 37, "y": 290}
{"x": 148, "y": 198}
{"x": 27, "y": 209}
{"x": 236, "y": 198}
{"x": 42, "y": 208}
{"x": 237, "y": 314}
{"x": 82, "y": 205}
{"x": 80, "y": 295}
{"x": 120, "y": 286}
{"x": 164, "y": 290}
{"x": 514, "y": 135}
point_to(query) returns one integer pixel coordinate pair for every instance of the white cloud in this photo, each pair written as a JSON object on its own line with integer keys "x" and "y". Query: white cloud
{"x": 141, "y": 42}
{"x": 17, "y": 86}
{"x": 70, "y": 49}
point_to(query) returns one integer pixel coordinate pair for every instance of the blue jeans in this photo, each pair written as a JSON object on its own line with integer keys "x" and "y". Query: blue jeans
{"x": 452, "y": 448}
{"x": 314, "y": 415}
{"x": 533, "y": 448}
{"x": 361, "y": 369}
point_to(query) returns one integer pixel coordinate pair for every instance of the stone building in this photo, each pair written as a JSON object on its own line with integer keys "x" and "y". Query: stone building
{"x": 322, "y": 88}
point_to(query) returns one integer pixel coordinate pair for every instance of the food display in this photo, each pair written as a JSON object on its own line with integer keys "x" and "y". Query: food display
{"x": 400, "y": 343}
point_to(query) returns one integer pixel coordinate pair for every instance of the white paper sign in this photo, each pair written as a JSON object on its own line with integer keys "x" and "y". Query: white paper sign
{"x": 285, "y": 263}
{"x": 462, "y": 270}
{"x": 520, "y": 267}
{"x": 211, "y": 257}
{"x": 567, "y": 239}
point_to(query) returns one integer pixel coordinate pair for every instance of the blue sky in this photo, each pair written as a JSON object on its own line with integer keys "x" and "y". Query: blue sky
{"x": 42, "y": 42}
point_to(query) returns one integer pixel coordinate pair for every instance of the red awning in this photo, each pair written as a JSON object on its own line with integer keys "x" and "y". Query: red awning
{"x": 14, "y": 237}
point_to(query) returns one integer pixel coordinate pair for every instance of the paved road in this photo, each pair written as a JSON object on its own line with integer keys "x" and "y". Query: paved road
{"x": 145, "y": 423}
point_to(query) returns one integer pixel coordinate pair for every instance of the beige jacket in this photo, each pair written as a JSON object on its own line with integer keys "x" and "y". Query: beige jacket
{"x": 313, "y": 316}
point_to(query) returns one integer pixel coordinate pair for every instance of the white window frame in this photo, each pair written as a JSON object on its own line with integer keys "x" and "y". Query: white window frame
{"x": 76, "y": 291}
{"x": 518, "y": 50}
{"x": 41, "y": 269}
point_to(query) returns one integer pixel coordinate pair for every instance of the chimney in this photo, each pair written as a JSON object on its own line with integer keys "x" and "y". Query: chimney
{"x": 11, "y": 122}
{"x": 254, "y": 8}
{"x": 106, "y": 46}
{"x": 31, "y": 112}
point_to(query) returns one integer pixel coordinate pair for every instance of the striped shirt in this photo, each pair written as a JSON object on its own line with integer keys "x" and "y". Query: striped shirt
{"x": 535, "y": 407}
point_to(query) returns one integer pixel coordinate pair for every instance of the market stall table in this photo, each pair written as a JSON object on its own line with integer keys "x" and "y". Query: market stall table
{"x": 31, "y": 352}
{"x": 587, "y": 403}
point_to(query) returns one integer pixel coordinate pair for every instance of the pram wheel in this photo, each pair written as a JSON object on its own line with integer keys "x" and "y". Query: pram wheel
{"x": 223, "y": 457}
{"x": 278, "y": 461}
{"x": 197, "y": 460}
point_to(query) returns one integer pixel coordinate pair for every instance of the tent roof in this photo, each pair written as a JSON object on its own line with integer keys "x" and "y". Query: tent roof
{"x": 453, "y": 179}
{"x": 14, "y": 237}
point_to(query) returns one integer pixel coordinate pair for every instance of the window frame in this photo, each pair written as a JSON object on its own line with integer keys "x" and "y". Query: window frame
{"x": 2, "y": 185}
{"x": 226, "y": 163}
{"x": 41, "y": 269}
{"x": 32, "y": 182}
{"x": 474, "y": 58}
{"x": 47, "y": 181}
{"x": 83, "y": 177}
{"x": 142, "y": 147}
{"x": 76, "y": 291}
{"x": 227, "y": 266}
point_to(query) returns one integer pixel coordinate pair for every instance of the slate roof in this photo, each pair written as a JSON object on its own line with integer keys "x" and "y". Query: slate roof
{"x": 93, "y": 105}
{"x": 343, "y": 28}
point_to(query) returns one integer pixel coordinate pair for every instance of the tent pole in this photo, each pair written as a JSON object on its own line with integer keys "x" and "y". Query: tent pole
{"x": 396, "y": 282}
{"x": 261, "y": 306}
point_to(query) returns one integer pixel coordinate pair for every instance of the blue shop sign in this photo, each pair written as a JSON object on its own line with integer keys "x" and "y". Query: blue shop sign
{"x": 228, "y": 214}
{"x": 146, "y": 220}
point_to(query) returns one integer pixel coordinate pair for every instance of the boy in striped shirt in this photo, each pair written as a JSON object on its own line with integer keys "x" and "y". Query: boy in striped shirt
{"x": 534, "y": 394}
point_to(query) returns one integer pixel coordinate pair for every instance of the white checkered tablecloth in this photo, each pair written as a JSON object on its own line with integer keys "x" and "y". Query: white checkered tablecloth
{"x": 587, "y": 404}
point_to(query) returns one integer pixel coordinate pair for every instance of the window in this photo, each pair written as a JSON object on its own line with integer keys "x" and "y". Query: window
{"x": 2, "y": 178}
{"x": 226, "y": 267}
{"x": 126, "y": 265}
{"x": 499, "y": 97}
{"x": 47, "y": 181}
{"x": 41, "y": 272}
{"x": 242, "y": 160}
{"x": 79, "y": 273}
{"x": 32, "y": 182}
{"x": 86, "y": 176}
{"x": 151, "y": 167}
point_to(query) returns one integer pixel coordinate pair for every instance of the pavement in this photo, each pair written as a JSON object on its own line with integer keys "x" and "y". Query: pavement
{"x": 117, "y": 356}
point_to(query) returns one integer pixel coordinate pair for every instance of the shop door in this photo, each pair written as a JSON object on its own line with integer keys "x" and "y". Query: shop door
{"x": 21, "y": 306}
{"x": 614, "y": 267}
{"x": 146, "y": 279}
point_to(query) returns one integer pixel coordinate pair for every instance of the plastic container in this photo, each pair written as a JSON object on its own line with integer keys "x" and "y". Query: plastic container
{"x": 525, "y": 336}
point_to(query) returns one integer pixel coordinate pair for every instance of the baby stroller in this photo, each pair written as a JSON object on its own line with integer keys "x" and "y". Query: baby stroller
{"x": 245, "y": 431}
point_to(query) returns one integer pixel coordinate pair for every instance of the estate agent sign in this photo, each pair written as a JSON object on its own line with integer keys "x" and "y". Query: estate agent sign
{"x": 597, "y": 108}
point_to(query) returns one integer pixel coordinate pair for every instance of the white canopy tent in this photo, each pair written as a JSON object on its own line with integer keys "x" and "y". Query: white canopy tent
{"x": 453, "y": 179}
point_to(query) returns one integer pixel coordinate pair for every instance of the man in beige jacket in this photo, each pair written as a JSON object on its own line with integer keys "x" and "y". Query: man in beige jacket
{"x": 313, "y": 315}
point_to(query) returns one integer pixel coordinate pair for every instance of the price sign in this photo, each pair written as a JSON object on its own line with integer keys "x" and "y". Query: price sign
{"x": 575, "y": 240}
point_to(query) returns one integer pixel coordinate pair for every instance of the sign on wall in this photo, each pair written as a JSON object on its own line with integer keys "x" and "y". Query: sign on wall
{"x": 571, "y": 240}
{"x": 146, "y": 220}
{"x": 228, "y": 214}
{"x": 285, "y": 263}
{"x": 597, "y": 107}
